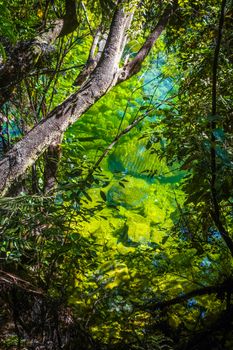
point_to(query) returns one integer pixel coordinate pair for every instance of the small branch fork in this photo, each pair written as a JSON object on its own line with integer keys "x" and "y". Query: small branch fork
{"x": 133, "y": 67}
{"x": 99, "y": 41}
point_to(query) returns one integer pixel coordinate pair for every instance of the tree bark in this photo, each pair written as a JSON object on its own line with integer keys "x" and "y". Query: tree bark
{"x": 134, "y": 66}
{"x": 52, "y": 159}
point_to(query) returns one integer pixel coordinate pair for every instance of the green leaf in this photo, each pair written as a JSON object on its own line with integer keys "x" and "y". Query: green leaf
{"x": 103, "y": 196}
{"x": 87, "y": 196}
{"x": 219, "y": 134}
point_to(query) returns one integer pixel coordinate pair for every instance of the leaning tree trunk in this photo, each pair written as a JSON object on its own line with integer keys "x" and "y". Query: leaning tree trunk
{"x": 106, "y": 74}
{"x": 26, "y": 151}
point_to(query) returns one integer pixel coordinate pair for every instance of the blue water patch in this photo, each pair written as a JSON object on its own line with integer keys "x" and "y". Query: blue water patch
{"x": 205, "y": 262}
{"x": 192, "y": 302}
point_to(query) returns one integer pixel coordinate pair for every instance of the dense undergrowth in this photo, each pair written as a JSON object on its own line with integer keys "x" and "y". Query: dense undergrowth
{"x": 132, "y": 247}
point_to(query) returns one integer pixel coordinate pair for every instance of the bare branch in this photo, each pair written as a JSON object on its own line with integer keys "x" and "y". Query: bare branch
{"x": 91, "y": 62}
{"x": 87, "y": 19}
{"x": 220, "y": 289}
{"x": 114, "y": 142}
{"x": 11, "y": 279}
{"x": 134, "y": 66}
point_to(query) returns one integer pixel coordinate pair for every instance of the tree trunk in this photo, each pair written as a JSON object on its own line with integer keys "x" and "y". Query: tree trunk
{"x": 52, "y": 159}
{"x": 106, "y": 75}
{"x": 27, "y": 150}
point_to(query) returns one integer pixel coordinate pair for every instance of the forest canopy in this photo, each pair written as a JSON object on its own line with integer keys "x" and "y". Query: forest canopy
{"x": 116, "y": 174}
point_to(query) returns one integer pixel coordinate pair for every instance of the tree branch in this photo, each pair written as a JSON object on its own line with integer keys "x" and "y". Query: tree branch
{"x": 133, "y": 67}
{"x": 13, "y": 280}
{"x": 226, "y": 286}
{"x": 114, "y": 142}
{"x": 70, "y": 22}
{"x": 91, "y": 61}
{"x": 86, "y": 16}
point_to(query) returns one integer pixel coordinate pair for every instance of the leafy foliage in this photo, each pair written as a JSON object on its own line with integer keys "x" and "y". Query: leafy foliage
{"x": 130, "y": 250}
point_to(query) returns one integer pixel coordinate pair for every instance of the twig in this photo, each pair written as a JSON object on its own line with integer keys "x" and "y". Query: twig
{"x": 19, "y": 282}
{"x": 87, "y": 19}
